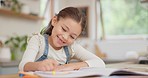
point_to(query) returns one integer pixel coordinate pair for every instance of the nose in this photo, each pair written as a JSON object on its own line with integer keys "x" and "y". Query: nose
{"x": 65, "y": 37}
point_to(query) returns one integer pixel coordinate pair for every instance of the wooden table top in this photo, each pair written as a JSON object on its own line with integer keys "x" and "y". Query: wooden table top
{"x": 10, "y": 76}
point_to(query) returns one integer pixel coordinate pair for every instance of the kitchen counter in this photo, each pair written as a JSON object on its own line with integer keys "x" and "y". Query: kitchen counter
{"x": 9, "y": 64}
{"x": 9, "y": 67}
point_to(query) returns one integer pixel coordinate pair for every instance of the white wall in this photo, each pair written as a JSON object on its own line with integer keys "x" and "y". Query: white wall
{"x": 117, "y": 49}
{"x": 21, "y": 26}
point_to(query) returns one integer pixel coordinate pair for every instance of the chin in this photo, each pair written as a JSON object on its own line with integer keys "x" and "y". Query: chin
{"x": 57, "y": 45}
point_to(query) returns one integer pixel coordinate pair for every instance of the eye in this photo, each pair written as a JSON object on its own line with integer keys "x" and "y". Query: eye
{"x": 63, "y": 29}
{"x": 72, "y": 37}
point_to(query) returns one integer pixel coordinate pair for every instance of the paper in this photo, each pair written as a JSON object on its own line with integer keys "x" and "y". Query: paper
{"x": 75, "y": 73}
{"x": 88, "y": 72}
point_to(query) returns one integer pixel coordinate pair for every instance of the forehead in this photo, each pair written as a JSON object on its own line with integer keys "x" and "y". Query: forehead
{"x": 74, "y": 27}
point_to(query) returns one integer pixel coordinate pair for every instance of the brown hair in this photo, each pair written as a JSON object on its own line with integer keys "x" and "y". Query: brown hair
{"x": 68, "y": 12}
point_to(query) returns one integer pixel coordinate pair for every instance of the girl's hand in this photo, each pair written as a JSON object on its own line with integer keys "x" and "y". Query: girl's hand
{"x": 47, "y": 65}
{"x": 65, "y": 67}
{"x": 71, "y": 66}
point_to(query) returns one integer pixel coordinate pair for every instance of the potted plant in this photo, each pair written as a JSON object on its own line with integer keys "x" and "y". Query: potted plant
{"x": 5, "y": 54}
{"x": 17, "y": 46}
{"x": 16, "y": 6}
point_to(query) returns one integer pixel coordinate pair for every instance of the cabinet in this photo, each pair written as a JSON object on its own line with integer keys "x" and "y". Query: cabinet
{"x": 20, "y": 15}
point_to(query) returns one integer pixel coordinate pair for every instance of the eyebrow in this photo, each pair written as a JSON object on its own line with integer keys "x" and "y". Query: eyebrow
{"x": 69, "y": 29}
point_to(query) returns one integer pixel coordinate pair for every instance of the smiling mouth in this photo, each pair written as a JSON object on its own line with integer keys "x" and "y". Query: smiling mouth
{"x": 60, "y": 41}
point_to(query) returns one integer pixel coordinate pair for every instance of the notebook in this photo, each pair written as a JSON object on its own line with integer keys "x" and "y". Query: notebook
{"x": 90, "y": 72}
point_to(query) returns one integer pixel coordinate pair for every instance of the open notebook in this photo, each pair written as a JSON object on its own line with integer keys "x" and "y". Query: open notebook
{"x": 89, "y": 72}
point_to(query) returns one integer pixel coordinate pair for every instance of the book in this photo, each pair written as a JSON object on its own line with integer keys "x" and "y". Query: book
{"x": 90, "y": 72}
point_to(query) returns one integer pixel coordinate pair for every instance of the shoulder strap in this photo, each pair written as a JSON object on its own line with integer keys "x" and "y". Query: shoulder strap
{"x": 46, "y": 44}
{"x": 67, "y": 54}
{"x": 44, "y": 56}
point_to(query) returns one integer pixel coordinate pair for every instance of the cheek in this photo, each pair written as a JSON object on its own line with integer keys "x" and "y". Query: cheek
{"x": 70, "y": 42}
{"x": 56, "y": 31}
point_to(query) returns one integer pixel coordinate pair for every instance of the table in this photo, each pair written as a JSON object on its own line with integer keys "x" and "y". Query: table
{"x": 10, "y": 76}
{"x": 130, "y": 65}
{"x": 17, "y": 76}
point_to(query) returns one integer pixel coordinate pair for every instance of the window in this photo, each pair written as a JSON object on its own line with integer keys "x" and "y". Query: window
{"x": 45, "y": 12}
{"x": 123, "y": 18}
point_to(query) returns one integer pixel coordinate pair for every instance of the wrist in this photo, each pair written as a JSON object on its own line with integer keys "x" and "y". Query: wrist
{"x": 31, "y": 66}
{"x": 79, "y": 65}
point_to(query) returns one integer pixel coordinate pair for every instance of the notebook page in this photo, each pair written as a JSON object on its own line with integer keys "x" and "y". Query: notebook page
{"x": 83, "y": 72}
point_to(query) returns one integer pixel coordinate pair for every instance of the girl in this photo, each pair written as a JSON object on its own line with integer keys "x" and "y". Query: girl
{"x": 54, "y": 49}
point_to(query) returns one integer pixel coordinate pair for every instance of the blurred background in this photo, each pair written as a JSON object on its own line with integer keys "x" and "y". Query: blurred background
{"x": 117, "y": 30}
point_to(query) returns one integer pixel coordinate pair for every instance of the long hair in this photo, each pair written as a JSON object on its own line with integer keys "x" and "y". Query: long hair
{"x": 68, "y": 12}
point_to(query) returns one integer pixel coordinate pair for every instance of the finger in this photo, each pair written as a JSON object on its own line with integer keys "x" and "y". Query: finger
{"x": 55, "y": 63}
{"x": 47, "y": 67}
{"x": 51, "y": 66}
{"x": 52, "y": 63}
{"x": 59, "y": 68}
{"x": 42, "y": 69}
{"x": 64, "y": 68}
{"x": 56, "y": 68}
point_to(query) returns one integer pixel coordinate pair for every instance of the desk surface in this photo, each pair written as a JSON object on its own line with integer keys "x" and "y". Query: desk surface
{"x": 10, "y": 76}
{"x": 17, "y": 76}
{"x": 131, "y": 66}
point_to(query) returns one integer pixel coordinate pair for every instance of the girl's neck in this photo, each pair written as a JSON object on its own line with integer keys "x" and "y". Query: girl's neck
{"x": 50, "y": 41}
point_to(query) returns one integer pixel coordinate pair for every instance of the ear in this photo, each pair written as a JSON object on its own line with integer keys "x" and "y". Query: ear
{"x": 54, "y": 20}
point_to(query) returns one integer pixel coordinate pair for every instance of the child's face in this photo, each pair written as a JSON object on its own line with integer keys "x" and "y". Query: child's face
{"x": 65, "y": 31}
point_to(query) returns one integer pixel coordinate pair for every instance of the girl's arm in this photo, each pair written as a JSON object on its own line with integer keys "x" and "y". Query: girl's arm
{"x": 87, "y": 59}
{"x": 84, "y": 55}
{"x": 44, "y": 65}
{"x": 30, "y": 52}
